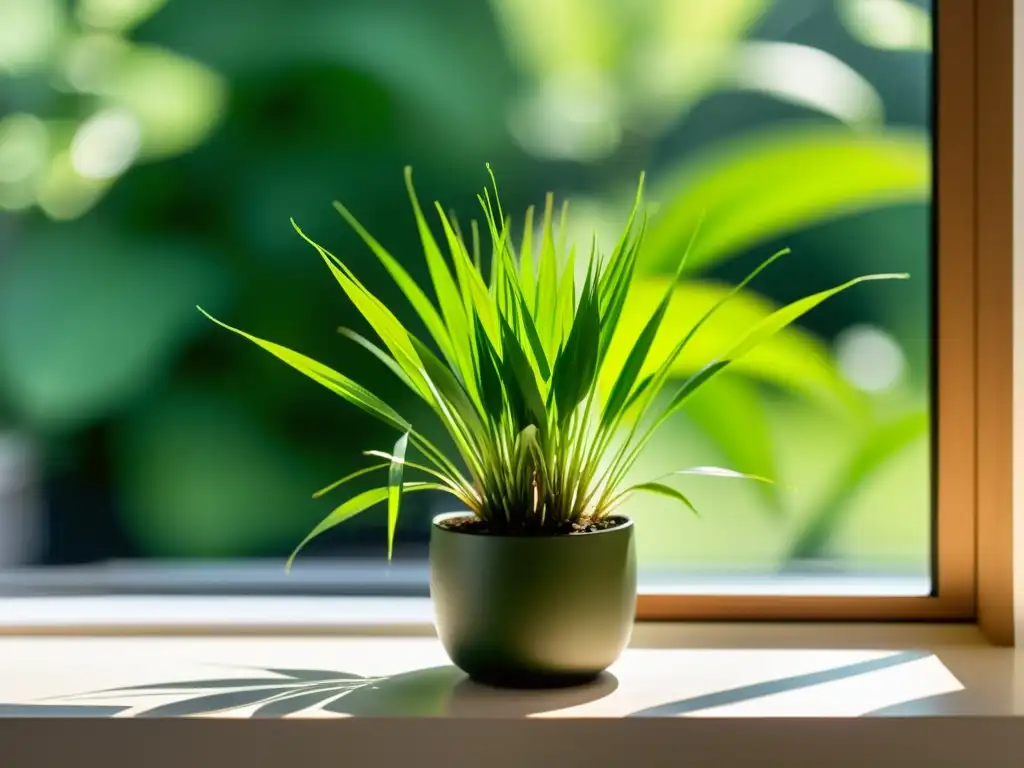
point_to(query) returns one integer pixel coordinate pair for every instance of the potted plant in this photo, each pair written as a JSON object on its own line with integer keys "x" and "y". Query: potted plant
{"x": 533, "y": 577}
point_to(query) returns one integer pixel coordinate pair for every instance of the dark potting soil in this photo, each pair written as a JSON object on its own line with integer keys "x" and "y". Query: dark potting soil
{"x": 471, "y": 524}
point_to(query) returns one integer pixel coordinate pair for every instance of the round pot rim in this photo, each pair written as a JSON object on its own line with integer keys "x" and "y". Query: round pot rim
{"x": 438, "y": 519}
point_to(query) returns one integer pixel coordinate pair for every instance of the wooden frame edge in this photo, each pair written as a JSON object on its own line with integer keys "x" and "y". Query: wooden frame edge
{"x": 791, "y": 608}
{"x": 994, "y": 366}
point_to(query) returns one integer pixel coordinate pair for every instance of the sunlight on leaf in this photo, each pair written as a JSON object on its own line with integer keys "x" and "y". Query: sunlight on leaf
{"x": 891, "y": 25}
{"x": 721, "y": 472}
{"x": 759, "y": 187}
{"x": 808, "y": 77}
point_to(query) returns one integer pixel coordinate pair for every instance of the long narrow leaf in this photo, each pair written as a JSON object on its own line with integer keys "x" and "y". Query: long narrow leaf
{"x": 527, "y": 274}
{"x": 721, "y": 472}
{"x": 732, "y": 414}
{"x": 346, "y": 478}
{"x": 448, "y": 393}
{"x": 464, "y": 270}
{"x": 417, "y": 298}
{"x": 456, "y": 484}
{"x": 764, "y": 330}
{"x": 547, "y": 283}
{"x": 618, "y": 263}
{"x": 394, "y": 335}
{"x": 614, "y": 301}
{"x": 336, "y": 382}
{"x": 475, "y": 295}
{"x": 340, "y": 514}
{"x": 380, "y": 354}
{"x": 395, "y": 473}
{"x": 662, "y": 373}
{"x": 518, "y": 376}
{"x": 353, "y": 507}
{"x": 634, "y": 364}
{"x": 794, "y": 359}
{"x": 576, "y": 365}
{"x": 663, "y": 490}
{"x": 487, "y": 373}
{"x": 447, "y": 292}
{"x": 565, "y": 306}
{"x": 533, "y": 338}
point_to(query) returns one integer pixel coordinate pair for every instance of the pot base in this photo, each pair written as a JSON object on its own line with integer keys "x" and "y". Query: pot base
{"x": 532, "y": 681}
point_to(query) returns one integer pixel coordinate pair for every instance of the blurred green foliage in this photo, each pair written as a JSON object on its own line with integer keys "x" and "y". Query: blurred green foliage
{"x": 152, "y": 152}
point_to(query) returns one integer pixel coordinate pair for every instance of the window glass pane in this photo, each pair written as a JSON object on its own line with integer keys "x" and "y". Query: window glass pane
{"x": 151, "y": 154}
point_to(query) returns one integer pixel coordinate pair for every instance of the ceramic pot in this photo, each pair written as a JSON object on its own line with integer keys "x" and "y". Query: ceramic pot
{"x": 533, "y": 611}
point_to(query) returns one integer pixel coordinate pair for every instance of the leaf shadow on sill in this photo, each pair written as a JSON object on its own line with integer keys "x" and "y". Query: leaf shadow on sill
{"x": 781, "y": 685}
{"x": 442, "y": 691}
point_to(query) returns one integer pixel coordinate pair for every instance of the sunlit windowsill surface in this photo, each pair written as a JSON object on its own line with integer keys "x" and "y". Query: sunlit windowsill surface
{"x": 399, "y": 668}
{"x": 317, "y": 669}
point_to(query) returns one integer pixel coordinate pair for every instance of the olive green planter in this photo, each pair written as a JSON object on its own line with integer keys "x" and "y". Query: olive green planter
{"x": 533, "y": 611}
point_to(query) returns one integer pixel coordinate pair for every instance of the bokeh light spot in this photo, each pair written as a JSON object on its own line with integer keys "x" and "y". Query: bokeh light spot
{"x": 29, "y": 30}
{"x": 869, "y": 358}
{"x": 116, "y": 14}
{"x": 889, "y": 24}
{"x": 64, "y": 193}
{"x": 106, "y": 144}
{"x": 24, "y": 144}
{"x": 569, "y": 116}
{"x": 91, "y": 60}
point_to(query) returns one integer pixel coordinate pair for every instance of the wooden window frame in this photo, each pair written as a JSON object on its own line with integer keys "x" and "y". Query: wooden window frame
{"x": 973, "y": 367}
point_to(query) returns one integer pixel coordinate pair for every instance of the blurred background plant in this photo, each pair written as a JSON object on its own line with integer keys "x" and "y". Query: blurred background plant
{"x": 152, "y": 151}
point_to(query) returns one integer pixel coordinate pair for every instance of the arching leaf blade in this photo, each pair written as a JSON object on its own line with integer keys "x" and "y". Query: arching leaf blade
{"x": 395, "y": 474}
{"x": 793, "y": 359}
{"x": 765, "y": 330}
{"x": 336, "y": 382}
{"x": 351, "y": 476}
{"x": 663, "y": 490}
{"x": 354, "y": 506}
{"x": 381, "y": 355}
{"x": 415, "y": 295}
{"x": 731, "y": 413}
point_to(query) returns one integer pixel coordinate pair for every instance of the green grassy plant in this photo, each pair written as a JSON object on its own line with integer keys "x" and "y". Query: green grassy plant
{"x": 518, "y": 350}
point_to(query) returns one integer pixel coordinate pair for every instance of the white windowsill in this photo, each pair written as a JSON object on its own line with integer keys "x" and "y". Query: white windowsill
{"x": 830, "y": 692}
{"x": 205, "y": 614}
